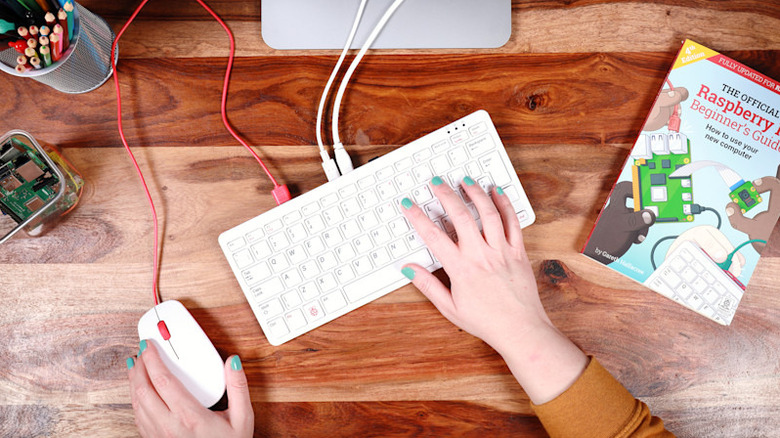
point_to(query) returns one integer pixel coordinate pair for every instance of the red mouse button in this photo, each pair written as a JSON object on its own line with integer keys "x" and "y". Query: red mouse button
{"x": 163, "y": 330}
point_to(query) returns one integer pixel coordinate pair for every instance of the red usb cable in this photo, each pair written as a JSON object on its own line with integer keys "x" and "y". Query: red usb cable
{"x": 280, "y": 193}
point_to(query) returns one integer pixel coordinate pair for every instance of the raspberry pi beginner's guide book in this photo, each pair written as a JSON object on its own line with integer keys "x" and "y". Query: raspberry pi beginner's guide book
{"x": 699, "y": 195}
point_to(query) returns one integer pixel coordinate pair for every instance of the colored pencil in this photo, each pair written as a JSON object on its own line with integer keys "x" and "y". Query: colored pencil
{"x": 57, "y": 30}
{"x": 42, "y": 41}
{"x": 62, "y": 18}
{"x": 54, "y": 44}
{"x": 46, "y": 55}
{"x": 33, "y": 31}
{"x": 45, "y": 31}
{"x": 32, "y": 42}
{"x": 23, "y": 32}
{"x": 68, "y": 7}
{"x": 50, "y": 19}
{"x": 21, "y": 59}
{"x": 36, "y": 63}
{"x": 22, "y": 68}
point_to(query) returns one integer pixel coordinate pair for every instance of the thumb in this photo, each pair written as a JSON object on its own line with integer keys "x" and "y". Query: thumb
{"x": 432, "y": 288}
{"x": 240, "y": 412}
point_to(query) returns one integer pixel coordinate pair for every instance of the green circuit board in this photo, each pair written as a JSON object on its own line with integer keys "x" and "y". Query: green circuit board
{"x": 27, "y": 183}
{"x": 746, "y": 196}
{"x": 654, "y": 188}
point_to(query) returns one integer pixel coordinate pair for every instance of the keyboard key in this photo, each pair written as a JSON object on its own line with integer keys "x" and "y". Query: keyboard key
{"x": 292, "y": 217}
{"x": 332, "y": 216}
{"x": 261, "y": 250}
{"x": 403, "y": 164}
{"x": 295, "y": 319}
{"x": 313, "y": 311}
{"x": 308, "y": 291}
{"x": 363, "y": 244}
{"x": 380, "y": 236}
{"x": 368, "y": 199}
{"x": 296, "y": 233}
{"x": 440, "y": 165}
{"x": 350, "y": 229}
{"x": 399, "y": 226}
{"x": 479, "y": 146}
{"x": 422, "y": 155}
{"x": 351, "y": 207}
{"x": 345, "y": 253}
{"x": 344, "y": 274}
{"x": 314, "y": 224}
{"x": 332, "y": 237}
{"x": 243, "y": 258}
{"x": 458, "y": 156}
{"x": 259, "y": 272}
{"x": 314, "y": 246}
{"x": 291, "y": 278}
{"x": 422, "y": 194}
{"x": 405, "y": 181}
{"x": 459, "y": 137}
{"x": 434, "y": 210}
{"x": 274, "y": 226}
{"x": 235, "y": 244}
{"x": 440, "y": 146}
{"x": 362, "y": 265}
{"x": 384, "y": 173}
{"x": 422, "y": 174}
{"x": 269, "y": 288}
{"x": 271, "y": 308}
{"x": 309, "y": 269}
{"x": 333, "y": 302}
{"x": 296, "y": 254}
{"x": 348, "y": 190}
{"x": 397, "y": 248}
{"x": 327, "y": 261}
{"x": 278, "y": 328}
{"x": 366, "y": 182}
{"x": 386, "y": 211}
{"x": 494, "y": 165}
{"x": 478, "y": 129}
{"x": 291, "y": 299}
{"x": 255, "y": 235}
{"x": 368, "y": 220}
{"x": 380, "y": 257}
{"x": 386, "y": 190}
{"x": 278, "y": 262}
{"x": 384, "y": 277}
{"x": 310, "y": 208}
{"x": 327, "y": 282}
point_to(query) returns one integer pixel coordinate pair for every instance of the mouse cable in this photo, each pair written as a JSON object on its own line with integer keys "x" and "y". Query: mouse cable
{"x": 695, "y": 209}
{"x": 280, "y": 192}
{"x": 328, "y": 164}
{"x": 342, "y": 157}
{"x": 726, "y": 264}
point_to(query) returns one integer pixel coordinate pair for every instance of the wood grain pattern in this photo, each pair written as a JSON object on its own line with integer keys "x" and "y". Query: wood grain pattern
{"x": 568, "y": 95}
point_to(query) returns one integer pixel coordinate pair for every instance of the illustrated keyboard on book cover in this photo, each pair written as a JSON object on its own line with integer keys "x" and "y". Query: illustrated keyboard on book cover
{"x": 342, "y": 245}
{"x": 690, "y": 277}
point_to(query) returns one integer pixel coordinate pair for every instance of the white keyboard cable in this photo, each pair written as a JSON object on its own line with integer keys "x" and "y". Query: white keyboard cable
{"x": 342, "y": 157}
{"x": 328, "y": 164}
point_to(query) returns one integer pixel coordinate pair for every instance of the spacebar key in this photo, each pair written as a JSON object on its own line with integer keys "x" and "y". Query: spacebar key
{"x": 386, "y": 276}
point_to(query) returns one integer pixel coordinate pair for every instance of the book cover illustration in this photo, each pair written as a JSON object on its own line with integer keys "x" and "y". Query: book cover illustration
{"x": 696, "y": 200}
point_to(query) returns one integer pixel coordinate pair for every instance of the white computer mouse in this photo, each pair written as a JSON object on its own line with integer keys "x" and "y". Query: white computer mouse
{"x": 185, "y": 349}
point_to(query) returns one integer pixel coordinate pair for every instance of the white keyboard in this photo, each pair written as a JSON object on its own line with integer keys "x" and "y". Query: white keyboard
{"x": 690, "y": 277}
{"x": 342, "y": 245}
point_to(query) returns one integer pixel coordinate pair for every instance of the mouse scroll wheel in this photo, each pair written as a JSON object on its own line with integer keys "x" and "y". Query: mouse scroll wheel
{"x": 163, "y": 330}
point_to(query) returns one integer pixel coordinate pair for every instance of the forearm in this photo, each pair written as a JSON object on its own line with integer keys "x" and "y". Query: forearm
{"x": 544, "y": 361}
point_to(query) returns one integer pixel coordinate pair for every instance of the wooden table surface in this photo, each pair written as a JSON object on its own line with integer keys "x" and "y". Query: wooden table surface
{"x": 568, "y": 94}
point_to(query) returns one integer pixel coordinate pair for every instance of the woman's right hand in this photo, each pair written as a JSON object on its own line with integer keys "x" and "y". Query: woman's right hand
{"x": 494, "y": 295}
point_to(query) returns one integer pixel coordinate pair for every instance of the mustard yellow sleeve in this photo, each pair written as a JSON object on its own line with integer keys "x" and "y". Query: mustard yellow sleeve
{"x": 597, "y": 405}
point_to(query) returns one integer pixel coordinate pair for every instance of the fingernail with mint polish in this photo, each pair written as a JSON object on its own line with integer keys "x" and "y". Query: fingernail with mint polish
{"x": 468, "y": 181}
{"x": 408, "y": 272}
{"x": 437, "y": 181}
{"x": 235, "y": 363}
{"x": 142, "y": 345}
{"x": 130, "y": 363}
{"x": 406, "y": 203}
{"x": 499, "y": 190}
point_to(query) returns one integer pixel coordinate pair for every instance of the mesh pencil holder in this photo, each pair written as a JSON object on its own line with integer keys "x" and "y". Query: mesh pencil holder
{"x": 84, "y": 66}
